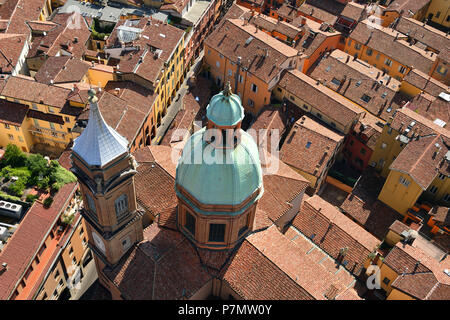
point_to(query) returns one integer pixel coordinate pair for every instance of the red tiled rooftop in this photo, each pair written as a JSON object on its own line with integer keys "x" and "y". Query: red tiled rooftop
{"x": 12, "y": 46}
{"x": 12, "y": 113}
{"x": 309, "y": 146}
{"x": 163, "y": 266}
{"x": 156, "y": 172}
{"x": 27, "y": 239}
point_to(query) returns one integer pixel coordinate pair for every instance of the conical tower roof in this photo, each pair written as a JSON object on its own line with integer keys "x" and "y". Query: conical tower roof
{"x": 99, "y": 144}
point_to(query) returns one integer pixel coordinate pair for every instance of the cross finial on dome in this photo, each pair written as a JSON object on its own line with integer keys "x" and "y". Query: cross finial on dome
{"x": 227, "y": 89}
{"x": 92, "y": 96}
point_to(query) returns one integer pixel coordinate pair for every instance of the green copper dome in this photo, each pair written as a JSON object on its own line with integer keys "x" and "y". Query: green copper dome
{"x": 219, "y": 176}
{"x": 225, "y": 108}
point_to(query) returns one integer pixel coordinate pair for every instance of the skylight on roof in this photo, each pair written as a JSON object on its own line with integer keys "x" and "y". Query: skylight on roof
{"x": 358, "y": 83}
{"x": 336, "y": 81}
{"x": 308, "y": 145}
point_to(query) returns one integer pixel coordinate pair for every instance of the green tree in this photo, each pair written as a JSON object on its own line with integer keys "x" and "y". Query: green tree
{"x": 17, "y": 188}
{"x": 48, "y": 202}
{"x": 13, "y": 156}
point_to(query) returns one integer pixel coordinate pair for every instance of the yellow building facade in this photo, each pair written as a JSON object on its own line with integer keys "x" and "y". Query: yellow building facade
{"x": 400, "y": 191}
{"x": 222, "y": 69}
{"x": 439, "y": 12}
{"x": 376, "y": 58}
{"x": 48, "y": 125}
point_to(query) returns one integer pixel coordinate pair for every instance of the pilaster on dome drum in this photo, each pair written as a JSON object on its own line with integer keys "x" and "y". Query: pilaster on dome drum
{"x": 99, "y": 144}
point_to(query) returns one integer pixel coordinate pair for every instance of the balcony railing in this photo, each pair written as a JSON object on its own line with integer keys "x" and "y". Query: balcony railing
{"x": 40, "y": 131}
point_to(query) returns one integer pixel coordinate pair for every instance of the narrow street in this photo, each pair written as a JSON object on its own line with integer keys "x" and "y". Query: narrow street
{"x": 177, "y": 103}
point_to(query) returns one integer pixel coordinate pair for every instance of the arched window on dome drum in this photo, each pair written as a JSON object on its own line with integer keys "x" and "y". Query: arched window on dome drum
{"x": 216, "y": 232}
{"x": 190, "y": 223}
{"x": 121, "y": 206}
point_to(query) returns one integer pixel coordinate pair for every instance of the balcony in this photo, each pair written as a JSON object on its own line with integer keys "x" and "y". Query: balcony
{"x": 40, "y": 131}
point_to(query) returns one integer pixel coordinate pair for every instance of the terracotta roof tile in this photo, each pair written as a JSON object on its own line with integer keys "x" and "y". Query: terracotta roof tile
{"x": 262, "y": 56}
{"x": 141, "y": 61}
{"x": 439, "y": 292}
{"x": 194, "y": 104}
{"x": 45, "y": 116}
{"x": 11, "y": 46}
{"x": 175, "y": 5}
{"x": 420, "y": 160}
{"x": 417, "y": 285}
{"x": 430, "y": 108}
{"x": 254, "y": 276}
{"x": 400, "y": 261}
{"x": 287, "y": 11}
{"x": 63, "y": 37}
{"x": 384, "y": 40}
{"x": 441, "y": 214}
{"x": 354, "y": 78}
{"x": 163, "y": 266}
{"x": 305, "y": 272}
{"x": 405, "y": 116}
{"x": 153, "y": 176}
{"x": 280, "y": 189}
{"x": 309, "y": 146}
{"x": 27, "y": 239}
{"x": 398, "y": 227}
{"x": 274, "y": 120}
{"x": 333, "y": 231}
{"x": 12, "y": 113}
{"x": 403, "y": 6}
{"x": 310, "y": 8}
{"x": 327, "y": 101}
{"x": 62, "y": 69}
{"x": 363, "y": 206}
{"x": 426, "y": 83}
{"x": 41, "y": 26}
{"x": 423, "y": 33}
{"x": 19, "y": 12}
{"x": 36, "y": 92}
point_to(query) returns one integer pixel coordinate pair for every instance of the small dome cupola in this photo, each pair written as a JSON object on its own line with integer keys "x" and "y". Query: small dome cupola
{"x": 225, "y": 109}
{"x": 219, "y": 184}
{"x": 98, "y": 144}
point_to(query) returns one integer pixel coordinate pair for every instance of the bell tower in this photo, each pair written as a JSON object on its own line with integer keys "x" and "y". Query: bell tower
{"x": 105, "y": 170}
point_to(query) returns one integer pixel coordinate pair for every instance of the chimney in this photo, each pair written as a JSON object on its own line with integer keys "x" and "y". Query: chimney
{"x": 389, "y": 121}
{"x": 348, "y": 59}
{"x": 437, "y": 148}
